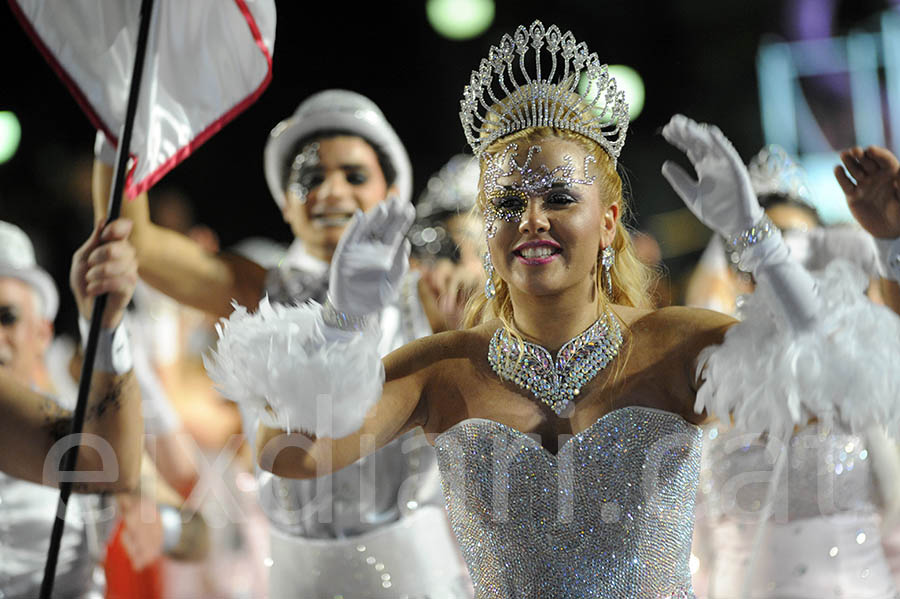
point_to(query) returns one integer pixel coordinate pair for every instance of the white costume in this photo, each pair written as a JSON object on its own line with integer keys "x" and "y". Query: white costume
{"x": 375, "y": 529}
{"x": 823, "y": 536}
{"x": 28, "y": 510}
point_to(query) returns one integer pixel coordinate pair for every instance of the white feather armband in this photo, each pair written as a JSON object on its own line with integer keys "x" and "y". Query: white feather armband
{"x": 296, "y": 372}
{"x": 766, "y": 377}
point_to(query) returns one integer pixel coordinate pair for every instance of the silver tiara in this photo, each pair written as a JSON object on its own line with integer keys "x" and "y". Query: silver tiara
{"x": 600, "y": 113}
{"x": 773, "y": 171}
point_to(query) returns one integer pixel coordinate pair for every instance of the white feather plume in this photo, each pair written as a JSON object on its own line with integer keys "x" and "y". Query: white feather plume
{"x": 767, "y": 379}
{"x": 299, "y": 374}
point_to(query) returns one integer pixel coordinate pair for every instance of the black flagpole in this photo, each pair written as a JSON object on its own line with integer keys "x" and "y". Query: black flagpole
{"x": 87, "y": 367}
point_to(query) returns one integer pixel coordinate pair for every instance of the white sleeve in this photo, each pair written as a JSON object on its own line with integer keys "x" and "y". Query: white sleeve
{"x": 160, "y": 418}
{"x": 818, "y": 247}
{"x": 889, "y": 258}
{"x": 296, "y": 372}
{"x": 843, "y": 363}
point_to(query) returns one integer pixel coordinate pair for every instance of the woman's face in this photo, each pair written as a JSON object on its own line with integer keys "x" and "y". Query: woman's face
{"x": 343, "y": 176}
{"x": 550, "y": 218}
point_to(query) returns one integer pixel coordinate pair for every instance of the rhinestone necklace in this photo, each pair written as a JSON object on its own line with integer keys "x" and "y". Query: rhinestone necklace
{"x": 556, "y": 383}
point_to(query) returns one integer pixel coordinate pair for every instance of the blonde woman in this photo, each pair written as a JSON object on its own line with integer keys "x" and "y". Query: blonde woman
{"x": 566, "y": 419}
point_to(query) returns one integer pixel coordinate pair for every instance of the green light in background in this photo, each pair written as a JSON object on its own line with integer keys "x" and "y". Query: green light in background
{"x": 460, "y": 19}
{"x": 10, "y": 134}
{"x": 627, "y": 80}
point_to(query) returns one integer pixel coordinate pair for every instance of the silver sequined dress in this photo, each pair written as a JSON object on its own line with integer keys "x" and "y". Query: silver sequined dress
{"x": 609, "y": 516}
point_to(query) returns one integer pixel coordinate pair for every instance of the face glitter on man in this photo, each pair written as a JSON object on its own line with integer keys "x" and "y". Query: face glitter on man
{"x": 325, "y": 192}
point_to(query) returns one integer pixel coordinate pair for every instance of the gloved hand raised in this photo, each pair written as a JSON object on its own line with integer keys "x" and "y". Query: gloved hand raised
{"x": 723, "y": 198}
{"x": 371, "y": 259}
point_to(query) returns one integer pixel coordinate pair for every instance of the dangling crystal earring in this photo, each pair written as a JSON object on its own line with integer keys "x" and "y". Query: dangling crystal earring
{"x": 489, "y": 290}
{"x": 607, "y": 259}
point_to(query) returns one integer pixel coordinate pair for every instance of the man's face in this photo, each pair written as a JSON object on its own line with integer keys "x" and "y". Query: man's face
{"x": 24, "y": 333}
{"x": 344, "y": 177}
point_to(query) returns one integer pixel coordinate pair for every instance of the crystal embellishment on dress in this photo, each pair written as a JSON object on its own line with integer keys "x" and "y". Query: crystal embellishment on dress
{"x": 532, "y": 182}
{"x": 557, "y": 382}
{"x": 609, "y": 516}
{"x": 534, "y": 100}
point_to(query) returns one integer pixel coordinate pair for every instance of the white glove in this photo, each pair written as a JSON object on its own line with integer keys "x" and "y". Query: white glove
{"x": 371, "y": 259}
{"x": 723, "y": 198}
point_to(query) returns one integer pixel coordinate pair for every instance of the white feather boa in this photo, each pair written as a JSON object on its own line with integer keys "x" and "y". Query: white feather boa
{"x": 767, "y": 379}
{"x": 295, "y": 371}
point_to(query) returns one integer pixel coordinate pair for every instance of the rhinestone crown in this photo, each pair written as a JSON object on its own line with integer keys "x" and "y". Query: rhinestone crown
{"x": 600, "y": 113}
{"x": 773, "y": 170}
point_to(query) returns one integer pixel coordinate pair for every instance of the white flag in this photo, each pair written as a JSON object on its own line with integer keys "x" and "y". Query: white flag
{"x": 206, "y": 61}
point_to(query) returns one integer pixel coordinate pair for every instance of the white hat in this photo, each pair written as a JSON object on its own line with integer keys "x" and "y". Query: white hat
{"x": 17, "y": 261}
{"x": 335, "y": 109}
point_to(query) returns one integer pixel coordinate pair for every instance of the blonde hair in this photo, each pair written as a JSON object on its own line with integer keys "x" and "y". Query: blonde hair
{"x": 631, "y": 278}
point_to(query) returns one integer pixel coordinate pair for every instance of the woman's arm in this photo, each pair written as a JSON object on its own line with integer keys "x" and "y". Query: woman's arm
{"x": 402, "y": 407}
{"x": 176, "y": 264}
{"x": 157, "y": 521}
{"x": 808, "y": 345}
{"x": 317, "y": 369}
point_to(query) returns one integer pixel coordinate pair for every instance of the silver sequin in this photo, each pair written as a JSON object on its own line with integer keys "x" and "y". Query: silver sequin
{"x": 827, "y": 474}
{"x": 306, "y": 159}
{"x": 610, "y": 516}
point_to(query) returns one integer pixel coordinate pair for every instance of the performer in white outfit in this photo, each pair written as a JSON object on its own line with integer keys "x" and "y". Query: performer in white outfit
{"x": 28, "y": 305}
{"x": 823, "y": 536}
{"x": 337, "y": 155}
{"x": 566, "y": 423}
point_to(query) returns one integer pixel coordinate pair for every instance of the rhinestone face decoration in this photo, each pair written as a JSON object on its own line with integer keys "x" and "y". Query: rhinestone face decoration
{"x": 532, "y": 182}
{"x": 556, "y": 383}
{"x": 307, "y": 158}
{"x": 551, "y": 101}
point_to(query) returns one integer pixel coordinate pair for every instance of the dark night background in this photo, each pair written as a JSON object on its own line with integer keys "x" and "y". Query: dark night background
{"x": 695, "y": 56}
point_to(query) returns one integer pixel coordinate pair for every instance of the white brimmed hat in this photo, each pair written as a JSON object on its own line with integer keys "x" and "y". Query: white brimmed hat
{"x": 17, "y": 261}
{"x": 335, "y": 109}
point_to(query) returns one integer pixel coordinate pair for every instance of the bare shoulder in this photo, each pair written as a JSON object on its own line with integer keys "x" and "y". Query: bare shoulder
{"x": 434, "y": 350}
{"x": 684, "y": 320}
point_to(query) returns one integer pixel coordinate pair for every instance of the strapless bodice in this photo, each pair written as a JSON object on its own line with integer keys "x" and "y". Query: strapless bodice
{"x": 609, "y": 516}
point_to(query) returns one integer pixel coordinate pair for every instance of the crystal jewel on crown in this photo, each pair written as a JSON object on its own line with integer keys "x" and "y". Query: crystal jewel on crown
{"x": 529, "y": 99}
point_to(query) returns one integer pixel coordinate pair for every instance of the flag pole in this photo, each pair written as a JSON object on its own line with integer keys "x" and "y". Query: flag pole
{"x": 87, "y": 368}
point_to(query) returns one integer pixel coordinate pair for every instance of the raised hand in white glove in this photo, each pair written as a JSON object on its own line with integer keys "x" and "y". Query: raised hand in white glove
{"x": 371, "y": 259}
{"x": 723, "y": 198}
